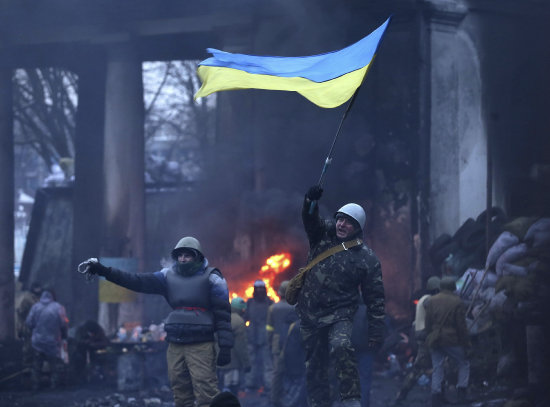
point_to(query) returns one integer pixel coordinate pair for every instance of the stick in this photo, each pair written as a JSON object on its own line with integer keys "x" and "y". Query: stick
{"x": 25, "y": 370}
{"x": 465, "y": 285}
{"x": 328, "y": 160}
{"x": 474, "y": 298}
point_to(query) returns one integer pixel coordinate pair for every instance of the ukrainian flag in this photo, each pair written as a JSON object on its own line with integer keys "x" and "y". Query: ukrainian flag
{"x": 328, "y": 80}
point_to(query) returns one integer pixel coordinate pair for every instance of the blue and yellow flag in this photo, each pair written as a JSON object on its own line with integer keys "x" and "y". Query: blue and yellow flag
{"x": 328, "y": 80}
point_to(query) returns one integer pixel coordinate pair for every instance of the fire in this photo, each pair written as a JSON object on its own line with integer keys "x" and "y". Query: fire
{"x": 267, "y": 273}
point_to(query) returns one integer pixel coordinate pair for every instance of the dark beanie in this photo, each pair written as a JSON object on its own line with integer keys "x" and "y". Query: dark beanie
{"x": 448, "y": 283}
{"x": 225, "y": 399}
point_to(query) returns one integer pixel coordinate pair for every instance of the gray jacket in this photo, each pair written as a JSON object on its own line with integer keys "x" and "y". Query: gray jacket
{"x": 48, "y": 322}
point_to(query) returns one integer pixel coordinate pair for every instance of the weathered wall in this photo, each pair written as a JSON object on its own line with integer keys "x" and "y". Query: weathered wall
{"x": 7, "y": 286}
{"x": 512, "y": 39}
{"x": 472, "y": 151}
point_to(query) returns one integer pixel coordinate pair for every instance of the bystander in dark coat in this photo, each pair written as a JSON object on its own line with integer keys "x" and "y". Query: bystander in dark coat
{"x": 48, "y": 323}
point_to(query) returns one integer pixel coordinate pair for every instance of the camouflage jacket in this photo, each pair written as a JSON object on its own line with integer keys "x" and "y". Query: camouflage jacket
{"x": 331, "y": 288}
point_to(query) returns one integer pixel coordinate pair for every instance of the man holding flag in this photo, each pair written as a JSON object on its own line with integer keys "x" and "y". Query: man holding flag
{"x": 326, "y": 293}
{"x": 327, "y": 289}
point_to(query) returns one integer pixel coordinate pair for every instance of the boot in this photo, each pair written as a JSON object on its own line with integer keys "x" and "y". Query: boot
{"x": 437, "y": 400}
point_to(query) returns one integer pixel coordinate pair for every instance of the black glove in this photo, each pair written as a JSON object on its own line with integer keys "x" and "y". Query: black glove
{"x": 224, "y": 356}
{"x": 314, "y": 193}
{"x": 98, "y": 268}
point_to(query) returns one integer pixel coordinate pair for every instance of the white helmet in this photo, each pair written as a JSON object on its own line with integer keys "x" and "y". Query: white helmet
{"x": 354, "y": 211}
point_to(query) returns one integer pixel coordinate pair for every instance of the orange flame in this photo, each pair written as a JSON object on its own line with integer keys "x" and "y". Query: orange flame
{"x": 267, "y": 273}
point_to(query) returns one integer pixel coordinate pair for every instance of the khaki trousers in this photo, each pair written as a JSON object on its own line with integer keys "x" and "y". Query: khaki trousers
{"x": 192, "y": 373}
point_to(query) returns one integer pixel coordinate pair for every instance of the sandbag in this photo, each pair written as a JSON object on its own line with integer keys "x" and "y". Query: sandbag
{"x": 538, "y": 234}
{"x": 511, "y": 255}
{"x": 516, "y": 288}
{"x": 503, "y": 243}
{"x": 519, "y": 226}
{"x": 521, "y": 269}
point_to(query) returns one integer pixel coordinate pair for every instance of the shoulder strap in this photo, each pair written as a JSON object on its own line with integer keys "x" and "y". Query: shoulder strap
{"x": 297, "y": 281}
{"x": 329, "y": 252}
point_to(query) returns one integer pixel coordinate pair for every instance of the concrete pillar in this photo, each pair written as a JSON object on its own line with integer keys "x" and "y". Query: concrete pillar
{"x": 88, "y": 186}
{"x": 443, "y": 18}
{"x": 7, "y": 324}
{"x": 513, "y": 37}
{"x": 124, "y": 199}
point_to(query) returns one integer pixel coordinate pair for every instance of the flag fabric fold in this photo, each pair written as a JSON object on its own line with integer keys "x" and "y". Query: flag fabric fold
{"x": 328, "y": 80}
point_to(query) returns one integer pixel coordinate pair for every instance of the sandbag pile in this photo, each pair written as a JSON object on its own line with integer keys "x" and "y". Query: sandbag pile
{"x": 509, "y": 288}
{"x": 517, "y": 270}
{"x": 522, "y": 264}
{"x": 520, "y": 252}
{"x": 466, "y": 248}
{"x": 520, "y": 257}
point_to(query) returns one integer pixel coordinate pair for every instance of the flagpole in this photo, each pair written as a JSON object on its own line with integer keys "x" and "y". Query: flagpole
{"x": 328, "y": 160}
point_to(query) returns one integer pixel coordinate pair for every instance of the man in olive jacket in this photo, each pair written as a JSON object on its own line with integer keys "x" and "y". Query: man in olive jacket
{"x": 328, "y": 300}
{"x": 447, "y": 335}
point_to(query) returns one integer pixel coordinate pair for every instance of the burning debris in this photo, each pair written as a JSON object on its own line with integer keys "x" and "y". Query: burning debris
{"x": 268, "y": 273}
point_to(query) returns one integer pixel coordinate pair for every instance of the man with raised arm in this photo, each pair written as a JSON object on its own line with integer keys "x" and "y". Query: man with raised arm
{"x": 339, "y": 266}
{"x": 200, "y": 305}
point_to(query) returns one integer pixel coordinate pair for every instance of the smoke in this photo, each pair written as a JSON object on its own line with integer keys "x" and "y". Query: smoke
{"x": 270, "y": 149}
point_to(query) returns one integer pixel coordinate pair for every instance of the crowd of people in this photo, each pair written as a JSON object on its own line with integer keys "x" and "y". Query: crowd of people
{"x": 205, "y": 331}
{"x": 313, "y": 347}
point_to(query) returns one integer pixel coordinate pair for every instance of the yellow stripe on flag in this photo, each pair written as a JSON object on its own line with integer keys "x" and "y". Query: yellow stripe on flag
{"x": 327, "y": 94}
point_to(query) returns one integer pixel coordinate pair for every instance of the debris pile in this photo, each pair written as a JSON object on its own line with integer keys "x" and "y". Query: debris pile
{"x": 158, "y": 397}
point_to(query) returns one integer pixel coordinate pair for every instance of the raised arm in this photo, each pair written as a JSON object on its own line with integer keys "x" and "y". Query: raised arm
{"x": 149, "y": 283}
{"x": 313, "y": 224}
